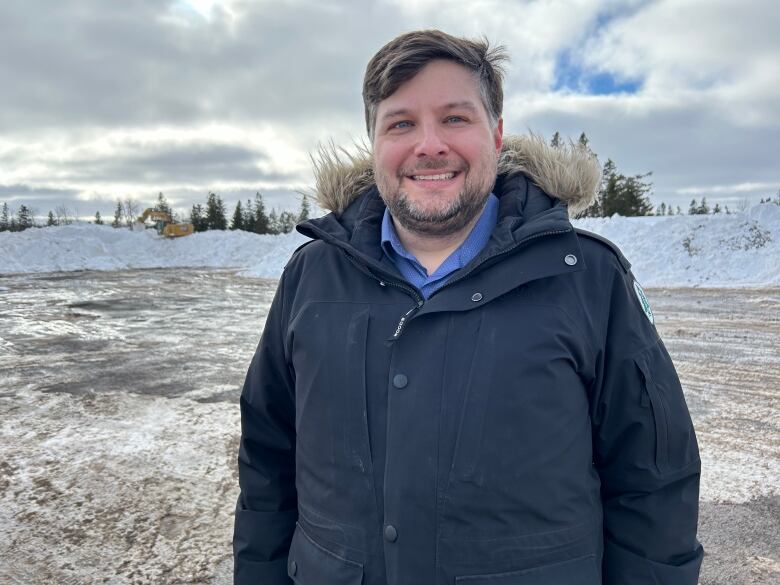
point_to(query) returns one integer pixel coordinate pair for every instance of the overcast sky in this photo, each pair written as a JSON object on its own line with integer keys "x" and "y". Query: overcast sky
{"x": 105, "y": 99}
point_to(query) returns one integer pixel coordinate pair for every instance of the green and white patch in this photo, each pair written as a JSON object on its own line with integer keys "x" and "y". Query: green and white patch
{"x": 640, "y": 294}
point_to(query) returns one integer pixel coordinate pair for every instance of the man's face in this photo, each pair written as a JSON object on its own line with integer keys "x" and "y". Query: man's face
{"x": 435, "y": 153}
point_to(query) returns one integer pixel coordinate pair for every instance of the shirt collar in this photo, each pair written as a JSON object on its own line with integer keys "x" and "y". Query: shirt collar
{"x": 476, "y": 239}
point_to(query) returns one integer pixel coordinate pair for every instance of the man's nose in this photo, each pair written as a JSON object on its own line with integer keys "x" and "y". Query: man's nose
{"x": 431, "y": 141}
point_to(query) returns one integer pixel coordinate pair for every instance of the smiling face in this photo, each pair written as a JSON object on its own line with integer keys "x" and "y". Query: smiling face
{"x": 435, "y": 150}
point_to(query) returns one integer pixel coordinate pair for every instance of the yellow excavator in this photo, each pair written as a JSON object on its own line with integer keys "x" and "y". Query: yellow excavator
{"x": 164, "y": 225}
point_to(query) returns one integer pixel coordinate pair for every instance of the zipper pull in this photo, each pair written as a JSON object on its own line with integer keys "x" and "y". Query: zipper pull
{"x": 404, "y": 319}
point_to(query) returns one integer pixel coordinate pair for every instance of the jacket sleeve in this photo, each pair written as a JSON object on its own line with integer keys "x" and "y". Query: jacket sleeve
{"x": 645, "y": 452}
{"x": 266, "y": 511}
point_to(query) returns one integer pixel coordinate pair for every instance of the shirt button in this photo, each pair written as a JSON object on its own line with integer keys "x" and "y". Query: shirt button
{"x": 400, "y": 381}
{"x": 570, "y": 259}
{"x": 476, "y": 297}
{"x": 293, "y": 568}
{"x": 391, "y": 534}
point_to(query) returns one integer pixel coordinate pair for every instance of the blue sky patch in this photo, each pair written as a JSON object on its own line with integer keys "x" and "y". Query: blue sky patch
{"x": 571, "y": 76}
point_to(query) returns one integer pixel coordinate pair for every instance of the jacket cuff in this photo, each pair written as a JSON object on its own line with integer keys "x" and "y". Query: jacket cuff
{"x": 246, "y": 572}
{"x": 621, "y": 566}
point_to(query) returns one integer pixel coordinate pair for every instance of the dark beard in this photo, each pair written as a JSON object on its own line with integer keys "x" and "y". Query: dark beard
{"x": 444, "y": 222}
{"x": 467, "y": 206}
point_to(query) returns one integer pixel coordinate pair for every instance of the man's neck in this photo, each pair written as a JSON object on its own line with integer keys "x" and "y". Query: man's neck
{"x": 431, "y": 251}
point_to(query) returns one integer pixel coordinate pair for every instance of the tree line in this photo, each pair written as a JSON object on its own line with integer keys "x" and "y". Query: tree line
{"x": 628, "y": 195}
{"x": 250, "y": 217}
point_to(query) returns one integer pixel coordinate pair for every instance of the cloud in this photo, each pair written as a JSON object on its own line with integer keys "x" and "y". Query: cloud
{"x": 186, "y": 96}
{"x": 24, "y": 193}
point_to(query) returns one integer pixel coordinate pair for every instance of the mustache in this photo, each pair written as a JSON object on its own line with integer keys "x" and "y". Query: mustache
{"x": 432, "y": 165}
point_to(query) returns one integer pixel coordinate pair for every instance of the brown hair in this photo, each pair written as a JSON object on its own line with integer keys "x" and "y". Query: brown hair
{"x": 404, "y": 57}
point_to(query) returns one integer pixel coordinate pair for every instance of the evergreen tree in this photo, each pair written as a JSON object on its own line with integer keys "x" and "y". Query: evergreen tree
{"x": 556, "y": 140}
{"x": 249, "y": 216}
{"x": 237, "y": 223}
{"x": 50, "y": 221}
{"x": 4, "y": 218}
{"x": 262, "y": 222}
{"x": 635, "y": 195}
{"x": 305, "y": 211}
{"x": 726, "y": 210}
{"x": 693, "y": 208}
{"x": 661, "y": 209}
{"x": 671, "y": 211}
{"x": 197, "y": 219}
{"x": 609, "y": 191}
{"x": 716, "y": 209}
{"x": 162, "y": 205}
{"x": 286, "y": 222}
{"x": 679, "y": 211}
{"x": 24, "y": 218}
{"x": 584, "y": 141}
{"x": 626, "y": 196}
{"x": 606, "y": 189}
{"x": 273, "y": 223}
{"x": 98, "y": 219}
{"x": 215, "y": 212}
{"x": 704, "y": 209}
{"x": 117, "y": 215}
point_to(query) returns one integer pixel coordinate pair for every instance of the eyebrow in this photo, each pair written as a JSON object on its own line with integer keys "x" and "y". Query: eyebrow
{"x": 463, "y": 105}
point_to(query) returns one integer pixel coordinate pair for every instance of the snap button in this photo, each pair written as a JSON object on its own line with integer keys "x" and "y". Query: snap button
{"x": 476, "y": 297}
{"x": 293, "y": 568}
{"x": 382, "y": 283}
{"x": 570, "y": 259}
{"x": 400, "y": 381}
{"x": 391, "y": 534}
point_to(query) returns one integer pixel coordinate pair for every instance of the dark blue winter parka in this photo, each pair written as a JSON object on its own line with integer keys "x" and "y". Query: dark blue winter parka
{"x": 522, "y": 426}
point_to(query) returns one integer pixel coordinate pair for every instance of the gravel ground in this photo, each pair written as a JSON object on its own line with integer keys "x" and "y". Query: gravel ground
{"x": 119, "y": 423}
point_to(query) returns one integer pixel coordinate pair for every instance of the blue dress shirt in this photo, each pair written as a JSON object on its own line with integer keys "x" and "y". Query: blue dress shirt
{"x": 411, "y": 269}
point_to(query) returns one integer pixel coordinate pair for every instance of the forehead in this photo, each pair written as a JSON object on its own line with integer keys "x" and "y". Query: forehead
{"x": 438, "y": 84}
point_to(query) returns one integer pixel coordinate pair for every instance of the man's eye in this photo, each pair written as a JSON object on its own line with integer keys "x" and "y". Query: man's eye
{"x": 401, "y": 125}
{"x": 455, "y": 119}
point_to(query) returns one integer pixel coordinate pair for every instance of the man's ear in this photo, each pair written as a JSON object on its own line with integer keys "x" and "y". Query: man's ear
{"x": 498, "y": 135}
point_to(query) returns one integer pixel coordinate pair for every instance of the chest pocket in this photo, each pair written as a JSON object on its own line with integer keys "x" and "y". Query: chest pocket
{"x": 581, "y": 571}
{"x": 310, "y": 564}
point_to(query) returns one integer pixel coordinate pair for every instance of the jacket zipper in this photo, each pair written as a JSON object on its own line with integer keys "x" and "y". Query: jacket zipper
{"x": 410, "y": 291}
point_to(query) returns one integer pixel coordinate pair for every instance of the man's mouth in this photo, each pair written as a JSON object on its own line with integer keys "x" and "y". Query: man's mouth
{"x": 439, "y": 177}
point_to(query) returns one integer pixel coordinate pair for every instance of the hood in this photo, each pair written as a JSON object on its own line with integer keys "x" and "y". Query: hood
{"x": 570, "y": 172}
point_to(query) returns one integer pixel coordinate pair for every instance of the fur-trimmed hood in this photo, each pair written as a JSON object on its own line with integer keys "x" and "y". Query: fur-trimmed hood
{"x": 570, "y": 172}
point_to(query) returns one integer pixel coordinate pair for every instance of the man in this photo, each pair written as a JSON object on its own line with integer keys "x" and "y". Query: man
{"x": 453, "y": 385}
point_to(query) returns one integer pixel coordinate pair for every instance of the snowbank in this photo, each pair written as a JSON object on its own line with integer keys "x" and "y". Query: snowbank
{"x": 721, "y": 250}
{"x": 693, "y": 250}
{"x": 100, "y": 247}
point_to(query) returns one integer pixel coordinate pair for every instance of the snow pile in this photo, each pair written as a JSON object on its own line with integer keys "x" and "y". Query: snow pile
{"x": 720, "y": 250}
{"x": 100, "y": 247}
{"x": 693, "y": 250}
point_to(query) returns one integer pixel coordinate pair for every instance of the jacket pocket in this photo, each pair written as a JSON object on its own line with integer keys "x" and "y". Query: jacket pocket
{"x": 580, "y": 571}
{"x": 308, "y": 563}
{"x": 675, "y": 439}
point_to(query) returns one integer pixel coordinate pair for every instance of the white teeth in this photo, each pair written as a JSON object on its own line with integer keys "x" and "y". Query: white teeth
{"x": 443, "y": 177}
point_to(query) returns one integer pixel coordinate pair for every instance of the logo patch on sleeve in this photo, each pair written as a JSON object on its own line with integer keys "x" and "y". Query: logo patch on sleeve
{"x": 640, "y": 294}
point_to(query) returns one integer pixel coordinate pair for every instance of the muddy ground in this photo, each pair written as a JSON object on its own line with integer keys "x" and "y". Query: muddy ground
{"x": 119, "y": 423}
